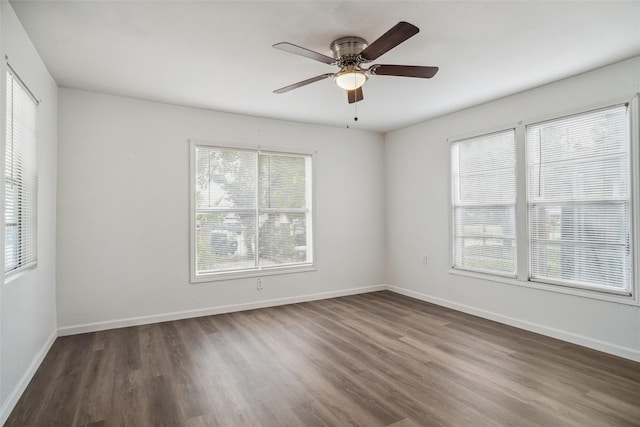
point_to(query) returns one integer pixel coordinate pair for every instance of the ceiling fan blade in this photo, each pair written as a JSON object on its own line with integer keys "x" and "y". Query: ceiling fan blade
{"x": 392, "y": 38}
{"x": 403, "y": 71}
{"x": 303, "y": 83}
{"x": 355, "y": 95}
{"x": 297, "y": 50}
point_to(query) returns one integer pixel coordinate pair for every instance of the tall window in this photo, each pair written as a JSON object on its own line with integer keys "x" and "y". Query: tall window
{"x": 20, "y": 181}
{"x": 484, "y": 203}
{"x": 580, "y": 200}
{"x": 252, "y": 210}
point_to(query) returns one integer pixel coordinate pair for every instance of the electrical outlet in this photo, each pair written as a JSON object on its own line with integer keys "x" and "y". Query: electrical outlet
{"x": 424, "y": 259}
{"x": 259, "y": 284}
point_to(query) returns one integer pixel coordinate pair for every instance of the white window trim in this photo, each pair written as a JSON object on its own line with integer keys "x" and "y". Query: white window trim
{"x": 522, "y": 211}
{"x": 252, "y": 273}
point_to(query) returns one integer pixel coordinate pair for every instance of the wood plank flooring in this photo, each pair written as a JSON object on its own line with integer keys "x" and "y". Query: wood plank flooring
{"x": 378, "y": 359}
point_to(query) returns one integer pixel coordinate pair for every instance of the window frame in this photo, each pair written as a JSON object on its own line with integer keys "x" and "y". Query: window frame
{"x": 629, "y": 161}
{"x": 453, "y": 205}
{"x": 253, "y": 272}
{"x": 32, "y": 226}
{"x": 523, "y": 252}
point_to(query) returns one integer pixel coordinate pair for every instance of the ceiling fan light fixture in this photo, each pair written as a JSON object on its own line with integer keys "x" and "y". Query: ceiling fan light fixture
{"x": 350, "y": 79}
{"x": 351, "y": 52}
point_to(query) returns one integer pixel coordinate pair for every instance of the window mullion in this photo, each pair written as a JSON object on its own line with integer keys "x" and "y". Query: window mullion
{"x": 522, "y": 231}
{"x": 257, "y": 212}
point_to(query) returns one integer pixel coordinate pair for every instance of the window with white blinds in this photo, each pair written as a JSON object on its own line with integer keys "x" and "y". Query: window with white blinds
{"x": 579, "y": 200}
{"x": 20, "y": 182}
{"x": 252, "y": 210}
{"x": 577, "y": 174}
{"x": 484, "y": 203}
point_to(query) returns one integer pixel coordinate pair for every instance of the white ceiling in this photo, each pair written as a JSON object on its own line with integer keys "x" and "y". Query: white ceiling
{"x": 217, "y": 54}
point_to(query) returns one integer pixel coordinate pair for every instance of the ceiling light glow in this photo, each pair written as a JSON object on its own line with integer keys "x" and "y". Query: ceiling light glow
{"x": 350, "y": 79}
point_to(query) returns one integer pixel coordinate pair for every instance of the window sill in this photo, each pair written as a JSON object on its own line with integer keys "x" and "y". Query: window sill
{"x": 585, "y": 293}
{"x": 18, "y": 273}
{"x": 233, "y": 275}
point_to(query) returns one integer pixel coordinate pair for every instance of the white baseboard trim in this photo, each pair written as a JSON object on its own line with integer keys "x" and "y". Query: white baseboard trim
{"x": 626, "y": 352}
{"x": 187, "y": 314}
{"x": 14, "y": 396}
{"x": 607, "y": 347}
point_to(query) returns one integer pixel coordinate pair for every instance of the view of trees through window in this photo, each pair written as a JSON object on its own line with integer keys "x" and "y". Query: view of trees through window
{"x": 253, "y": 209}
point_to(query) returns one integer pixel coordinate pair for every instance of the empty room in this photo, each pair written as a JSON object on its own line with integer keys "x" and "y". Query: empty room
{"x": 320, "y": 213}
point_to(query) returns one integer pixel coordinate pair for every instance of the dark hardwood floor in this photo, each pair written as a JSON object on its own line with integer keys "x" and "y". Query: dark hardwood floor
{"x": 378, "y": 359}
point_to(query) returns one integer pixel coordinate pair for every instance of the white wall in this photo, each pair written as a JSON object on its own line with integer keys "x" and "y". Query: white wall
{"x": 417, "y": 170}
{"x": 28, "y": 303}
{"x": 123, "y": 212}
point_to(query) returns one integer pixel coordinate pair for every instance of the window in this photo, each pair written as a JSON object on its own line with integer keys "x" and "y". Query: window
{"x": 484, "y": 203}
{"x": 251, "y": 211}
{"x": 580, "y": 200}
{"x": 575, "y": 197}
{"x": 20, "y": 182}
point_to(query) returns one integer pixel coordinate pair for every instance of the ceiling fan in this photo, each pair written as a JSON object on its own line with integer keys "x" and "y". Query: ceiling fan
{"x": 349, "y": 53}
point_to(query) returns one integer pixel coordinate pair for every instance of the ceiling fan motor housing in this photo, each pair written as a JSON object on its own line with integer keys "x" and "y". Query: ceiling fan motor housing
{"x": 347, "y": 50}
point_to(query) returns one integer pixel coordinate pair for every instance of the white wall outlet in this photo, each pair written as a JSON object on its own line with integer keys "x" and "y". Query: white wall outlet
{"x": 424, "y": 259}
{"x": 259, "y": 284}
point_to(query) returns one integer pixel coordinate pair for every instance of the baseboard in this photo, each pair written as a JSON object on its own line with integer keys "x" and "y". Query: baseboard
{"x": 187, "y": 314}
{"x": 627, "y": 353}
{"x": 15, "y": 395}
{"x": 604, "y": 346}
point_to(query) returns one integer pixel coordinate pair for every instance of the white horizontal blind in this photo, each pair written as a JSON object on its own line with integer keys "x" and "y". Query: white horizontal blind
{"x": 226, "y": 194}
{"x": 253, "y": 210}
{"x": 579, "y": 200}
{"x": 484, "y": 203}
{"x": 20, "y": 177}
{"x": 285, "y": 209}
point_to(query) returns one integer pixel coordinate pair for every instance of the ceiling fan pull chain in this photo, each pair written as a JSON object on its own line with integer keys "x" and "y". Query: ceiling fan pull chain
{"x": 355, "y": 111}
